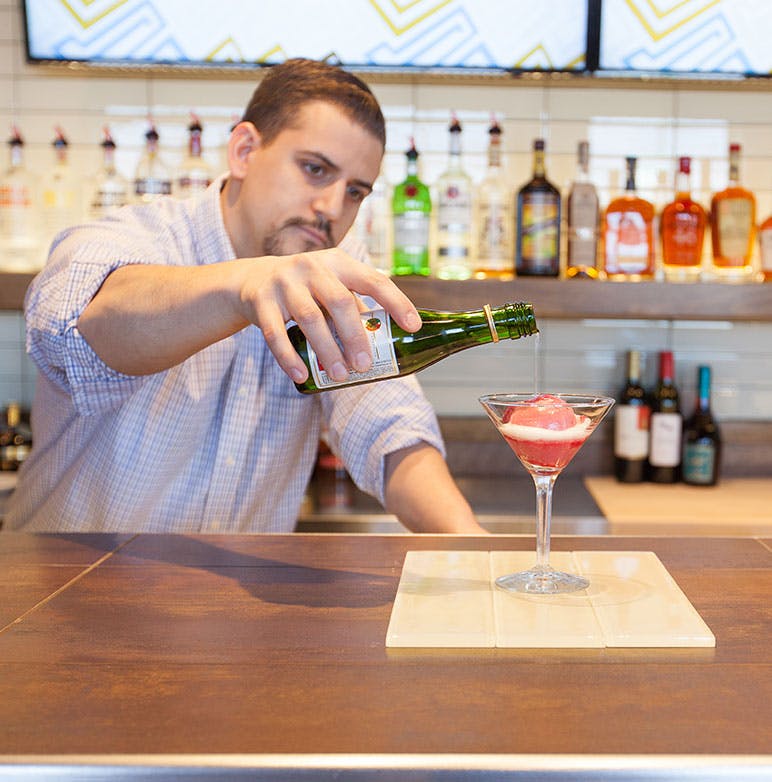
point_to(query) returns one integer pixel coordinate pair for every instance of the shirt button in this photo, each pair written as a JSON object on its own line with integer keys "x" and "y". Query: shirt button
{"x": 229, "y": 460}
{"x": 242, "y": 391}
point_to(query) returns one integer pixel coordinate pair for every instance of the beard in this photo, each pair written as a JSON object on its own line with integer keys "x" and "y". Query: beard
{"x": 285, "y": 240}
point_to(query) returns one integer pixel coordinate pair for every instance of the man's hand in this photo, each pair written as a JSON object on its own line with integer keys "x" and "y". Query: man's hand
{"x": 307, "y": 287}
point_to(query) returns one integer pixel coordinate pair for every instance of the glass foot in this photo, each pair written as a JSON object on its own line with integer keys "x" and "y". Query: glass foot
{"x": 542, "y": 581}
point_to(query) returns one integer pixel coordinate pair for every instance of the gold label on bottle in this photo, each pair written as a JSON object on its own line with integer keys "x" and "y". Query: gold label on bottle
{"x": 627, "y": 243}
{"x": 377, "y": 326}
{"x": 735, "y": 223}
{"x": 539, "y": 241}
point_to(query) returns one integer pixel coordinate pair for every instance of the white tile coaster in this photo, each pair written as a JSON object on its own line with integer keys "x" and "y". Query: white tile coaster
{"x": 444, "y": 599}
{"x": 541, "y": 621}
{"x": 637, "y": 602}
{"x": 448, "y": 599}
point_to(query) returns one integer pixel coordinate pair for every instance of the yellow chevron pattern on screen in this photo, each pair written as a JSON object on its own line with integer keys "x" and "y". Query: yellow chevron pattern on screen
{"x": 88, "y": 12}
{"x": 400, "y": 17}
{"x": 658, "y": 18}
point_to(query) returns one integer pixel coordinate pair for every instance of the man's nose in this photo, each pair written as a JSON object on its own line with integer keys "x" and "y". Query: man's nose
{"x": 330, "y": 200}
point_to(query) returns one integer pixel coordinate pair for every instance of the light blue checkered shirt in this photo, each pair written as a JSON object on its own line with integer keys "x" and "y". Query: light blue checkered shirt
{"x": 221, "y": 442}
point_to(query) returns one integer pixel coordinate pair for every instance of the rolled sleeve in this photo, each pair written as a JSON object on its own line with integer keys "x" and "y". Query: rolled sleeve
{"x": 368, "y": 422}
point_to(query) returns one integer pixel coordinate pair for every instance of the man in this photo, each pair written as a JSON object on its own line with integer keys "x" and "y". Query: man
{"x": 165, "y": 400}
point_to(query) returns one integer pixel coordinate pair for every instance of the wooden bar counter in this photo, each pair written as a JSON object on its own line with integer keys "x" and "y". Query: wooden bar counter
{"x": 263, "y": 657}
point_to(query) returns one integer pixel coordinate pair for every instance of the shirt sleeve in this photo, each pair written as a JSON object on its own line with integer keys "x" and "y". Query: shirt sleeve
{"x": 370, "y": 421}
{"x": 77, "y": 267}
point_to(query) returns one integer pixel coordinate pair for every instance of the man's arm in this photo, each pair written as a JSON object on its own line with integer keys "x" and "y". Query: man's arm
{"x": 421, "y": 492}
{"x": 147, "y": 318}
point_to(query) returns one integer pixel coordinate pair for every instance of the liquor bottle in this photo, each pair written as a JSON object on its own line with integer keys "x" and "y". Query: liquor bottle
{"x": 631, "y": 425}
{"x": 733, "y": 225}
{"x": 702, "y": 441}
{"x": 453, "y": 259}
{"x": 15, "y": 439}
{"x": 583, "y": 212}
{"x": 195, "y": 173}
{"x": 666, "y": 426}
{"x": 537, "y": 244}
{"x": 495, "y": 217}
{"x": 153, "y": 178}
{"x": 19, "y": 225}
{"x": 765, "y": 242}
{"x": 110, "y": 190}
{"x": 61, "y": 200}
{"x": 629, "y": 233}
{"x": 373, "y": 228}
{"x": 682, "y": 227}
{"x": 411, "y": 208}
{"x": 397, "y": 352}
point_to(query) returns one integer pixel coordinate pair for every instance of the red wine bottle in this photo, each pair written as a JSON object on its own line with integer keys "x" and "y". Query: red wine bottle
{"x": 631, "y": 425}
{"x": 666, "y": 426}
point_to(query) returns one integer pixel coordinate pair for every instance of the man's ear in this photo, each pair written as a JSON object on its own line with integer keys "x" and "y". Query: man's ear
{"x": 244, "y": 138}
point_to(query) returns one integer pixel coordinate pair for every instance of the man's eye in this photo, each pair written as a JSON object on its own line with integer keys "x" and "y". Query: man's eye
{"x": 355, "y": 194}
{"x": 314, "y": 169}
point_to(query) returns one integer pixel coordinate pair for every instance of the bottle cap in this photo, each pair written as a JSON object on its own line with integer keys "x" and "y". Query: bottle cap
{"x": 495, "y": 128}
{"x": 59, "y": 139}
{"x": 538, "y": 144}
{"x": 455, "y": 125}
{"x": 16, "y": 139}
{"x": 107, "y": 141}
{"x": 684, "y": 165}
{"x": 412, "y": 153}
{"x": 195, "y": 123}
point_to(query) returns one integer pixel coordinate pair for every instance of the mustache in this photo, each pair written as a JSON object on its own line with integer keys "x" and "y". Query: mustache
{"x": 321, "y": 224}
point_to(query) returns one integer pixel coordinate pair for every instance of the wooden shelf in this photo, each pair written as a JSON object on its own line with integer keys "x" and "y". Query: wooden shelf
{"x": 564, "y": 299}
{"x": 561, "y": 299}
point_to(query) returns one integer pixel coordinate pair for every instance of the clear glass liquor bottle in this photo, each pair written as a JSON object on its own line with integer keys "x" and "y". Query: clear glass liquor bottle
{"x": 61, "y": 199}
{"x": 453, "y": 260}
{"x": 397, "y": 352}
{"x": 411, "y": 208}
{"x": 195, "y": 173}
{"x": 19, "y": 215}
{"x": 682, "y": 228}
{"x": 110, "y": 190}
{"x": 153, "y": 179}
{"x": 702, "y": 441}
{"x": 495, "y": 217}
{"x": 583, "y": 209}
{"x": 537, "y": 243}
{"x": 373, "y": 227}
{"x": 733, "y": 225}
{"x": 628, "y": 228}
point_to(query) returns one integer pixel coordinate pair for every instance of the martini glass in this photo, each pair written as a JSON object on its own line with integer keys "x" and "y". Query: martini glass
{"x": 545, "y": 431}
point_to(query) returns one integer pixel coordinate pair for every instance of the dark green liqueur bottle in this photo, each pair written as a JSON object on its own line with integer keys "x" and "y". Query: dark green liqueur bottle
{"x": 397, "y": 352}
{"x": 702, "y": 441}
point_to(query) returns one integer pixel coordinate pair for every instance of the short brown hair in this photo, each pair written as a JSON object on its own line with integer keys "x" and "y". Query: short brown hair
{"x": 288, "y": 86}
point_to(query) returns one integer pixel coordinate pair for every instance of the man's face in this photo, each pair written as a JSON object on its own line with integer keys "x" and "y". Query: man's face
{"x": 303, "y": 190}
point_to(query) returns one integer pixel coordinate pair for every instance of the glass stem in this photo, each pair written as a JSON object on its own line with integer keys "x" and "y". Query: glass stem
{"x": 544, "y": 484}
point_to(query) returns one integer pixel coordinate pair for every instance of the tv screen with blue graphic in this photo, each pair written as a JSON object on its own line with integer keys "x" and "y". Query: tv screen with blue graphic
{"x": 493, "y": 35}
{"x": 686, "y": 36}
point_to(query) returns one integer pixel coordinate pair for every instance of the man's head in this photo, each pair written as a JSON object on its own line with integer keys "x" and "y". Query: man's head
{"x": 287, "y": 87}
{"x": 305, "y": 155}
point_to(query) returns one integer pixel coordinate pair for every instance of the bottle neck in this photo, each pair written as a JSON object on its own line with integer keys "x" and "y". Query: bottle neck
{"x": 194, "y": 145}
{"x": 511, "y": 321}
{"x": 412, "y": 168}
{"x": 538, "y": 164}
{"x": 108, "y": 159}
{"x": 703, "y": 395}
{"x": 634, "y": 368}
{"x": 683, "y": 183}
{"x": 494, "y": 154}
{"x": 666, "y": 369}
{"x": 630, "y": 180}
{"x": 17, "y": 156}
{"x": 734, "y": 167}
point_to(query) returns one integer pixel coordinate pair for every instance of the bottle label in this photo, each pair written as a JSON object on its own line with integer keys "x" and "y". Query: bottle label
{"x": 627, "y": 243}
{"x": 735, "y": 223}
{"x": 377, "y": 325}
{"x": 766, "y": 249}
{"x": 539, "y": 230}
{"x": 152, "y": 187}
{"x": 411, "y": 232}
{"x": 495, "y": 225}
{"x": 631, "y": 432}
{"x": 107, "y": 200}
{"x": 699, "y": 460}
{"x": 582, "y": 225}
{"x": 665, "y": 449}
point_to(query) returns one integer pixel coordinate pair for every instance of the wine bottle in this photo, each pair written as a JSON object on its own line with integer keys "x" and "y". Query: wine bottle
{"x": 397, "y": 352}
{"x": 631, "y": 425}
{"x": 702, "y": 441}
{"x": 411, "y": 208}
{"x": 537, "y": 250}
{"x": 666, "y": 426}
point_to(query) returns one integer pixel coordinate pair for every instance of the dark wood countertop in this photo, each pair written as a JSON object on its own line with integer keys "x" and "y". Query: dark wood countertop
{"x": 271, "y": 649}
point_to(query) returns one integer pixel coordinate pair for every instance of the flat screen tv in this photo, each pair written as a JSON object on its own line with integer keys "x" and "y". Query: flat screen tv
{"x": 689, "y": 37}
{"x": 458, "y": 35}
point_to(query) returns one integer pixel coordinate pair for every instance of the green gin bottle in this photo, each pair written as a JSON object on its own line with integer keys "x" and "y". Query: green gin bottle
{"x": 397, "y": 352}
{"x": 411, "y": 208}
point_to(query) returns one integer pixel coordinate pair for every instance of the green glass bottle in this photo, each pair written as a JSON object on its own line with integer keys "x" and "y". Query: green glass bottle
{"x": 702, "y": 440}
{"x": 411, "y": 208}
{"x": 397, "y": 352}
